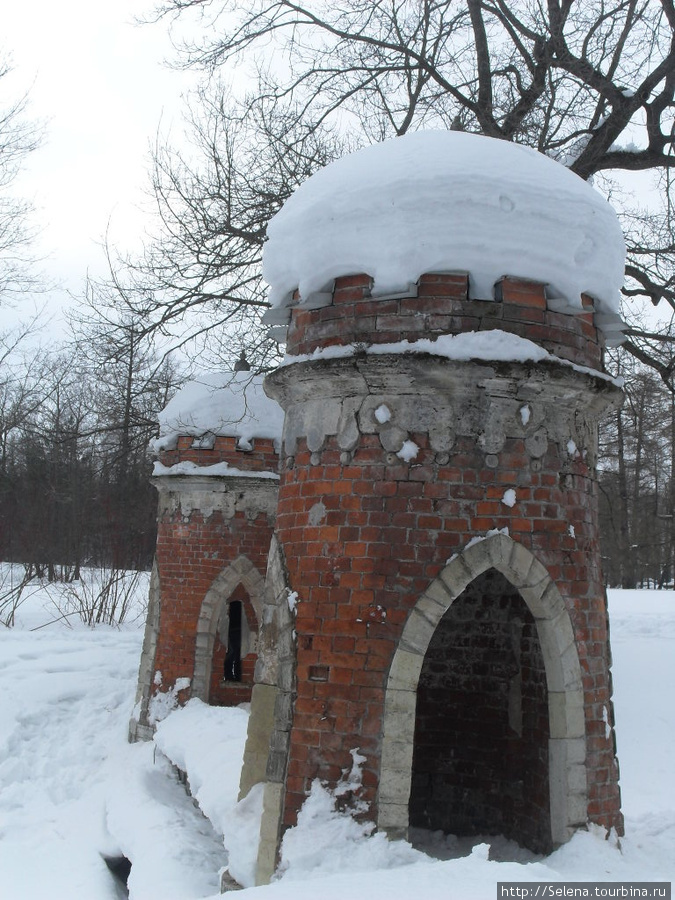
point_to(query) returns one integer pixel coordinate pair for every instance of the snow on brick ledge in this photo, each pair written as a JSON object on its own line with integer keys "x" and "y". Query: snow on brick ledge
{"x": 436, "y": 201}
{"x": 226, "y": 404}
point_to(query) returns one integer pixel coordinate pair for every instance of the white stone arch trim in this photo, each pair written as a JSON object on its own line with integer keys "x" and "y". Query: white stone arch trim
{"x": 140, "y": 729}
{"x": 567, "y": 743}
{"x": 240, "y": 571}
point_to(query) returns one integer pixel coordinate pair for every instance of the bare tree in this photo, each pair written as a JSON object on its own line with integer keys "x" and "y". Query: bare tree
{"x": 18, "y": 395}
{"x": 130, "y": 382}
{"x": 74, "y": 485}
{"x": 22, "y": 390}
{"x": 571, "y": 79}
{"x": 637, "y": 531}
{"x": 591, "y": 84}
{"x": 18, "y": 137}
{"x": 197, "y": 285}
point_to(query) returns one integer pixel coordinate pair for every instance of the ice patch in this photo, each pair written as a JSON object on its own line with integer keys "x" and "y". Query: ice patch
{"x": 408, "y": 451}
{"x": 383, "y": 413}
{"x": 509, "y": 498}
{"x": 164, "y": 702}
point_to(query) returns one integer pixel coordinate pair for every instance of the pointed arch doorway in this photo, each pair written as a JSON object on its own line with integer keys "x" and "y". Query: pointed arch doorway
{"x": 503, "y": 661}
{"x": 227, "y": 632}
{"x": 480, "y": 752}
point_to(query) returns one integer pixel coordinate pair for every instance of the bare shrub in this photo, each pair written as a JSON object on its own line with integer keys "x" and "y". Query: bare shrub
{"x": 106, "y": 597}
{"x": 13, "y": 583}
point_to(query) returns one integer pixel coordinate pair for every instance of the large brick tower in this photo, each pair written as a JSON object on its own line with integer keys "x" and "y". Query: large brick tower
{"x": 446, "y": 300}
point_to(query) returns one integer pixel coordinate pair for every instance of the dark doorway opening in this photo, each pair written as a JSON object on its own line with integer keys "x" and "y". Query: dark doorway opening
{"x": 232, "y": 670}
{"x": 480, "y": 758}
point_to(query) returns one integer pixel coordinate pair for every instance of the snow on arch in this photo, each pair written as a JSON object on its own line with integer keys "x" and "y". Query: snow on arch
{"x": 473, "y": 203}
{"x": 232, "y": 404}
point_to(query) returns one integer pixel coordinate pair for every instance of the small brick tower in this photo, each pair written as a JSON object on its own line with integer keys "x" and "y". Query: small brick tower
{"x": 437, "y": 518}
{"x": 217, "y": 482}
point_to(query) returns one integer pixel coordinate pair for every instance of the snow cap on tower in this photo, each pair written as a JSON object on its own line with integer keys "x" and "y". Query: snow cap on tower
{"x": 230, "y": 404}
{"x": 436, "y": 201}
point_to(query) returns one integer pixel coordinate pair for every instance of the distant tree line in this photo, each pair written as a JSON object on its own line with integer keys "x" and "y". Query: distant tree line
{"x": 74, "y": 466}
{"x": 637, "y": 482}
{"x": 75, "y": 469}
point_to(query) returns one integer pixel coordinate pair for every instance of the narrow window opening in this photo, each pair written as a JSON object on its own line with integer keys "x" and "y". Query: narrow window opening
{"x": 234, "y": 631}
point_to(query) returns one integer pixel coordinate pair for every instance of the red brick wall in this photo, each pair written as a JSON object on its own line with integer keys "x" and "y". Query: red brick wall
{"x": 388, "y": 528}
{"x": 388, "y": 532}
{"x": 262, "y": 458}
{"x": 443, "y": 307}
{"x": 192, "y": 550}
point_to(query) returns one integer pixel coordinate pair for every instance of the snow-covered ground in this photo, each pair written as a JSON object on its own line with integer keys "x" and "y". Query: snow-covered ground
{"x": 73, "y": 791}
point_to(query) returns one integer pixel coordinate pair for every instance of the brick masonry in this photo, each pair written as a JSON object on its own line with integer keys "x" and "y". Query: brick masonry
{"x": 442, "y": 306}
{"x": 262, "y": 457}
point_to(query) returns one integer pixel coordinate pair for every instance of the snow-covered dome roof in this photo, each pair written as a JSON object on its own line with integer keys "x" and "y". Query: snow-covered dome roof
{"x": 435, "y": 201}
{"x": 232, "y": 404}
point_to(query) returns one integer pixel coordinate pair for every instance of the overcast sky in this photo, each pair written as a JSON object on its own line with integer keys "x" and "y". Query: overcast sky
{"x": 97, "y": 82}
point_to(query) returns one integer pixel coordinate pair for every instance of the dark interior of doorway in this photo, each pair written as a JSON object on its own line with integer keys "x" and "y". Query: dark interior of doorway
{"x": 480, "y": 758}
{"x": 232, "y": 666}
